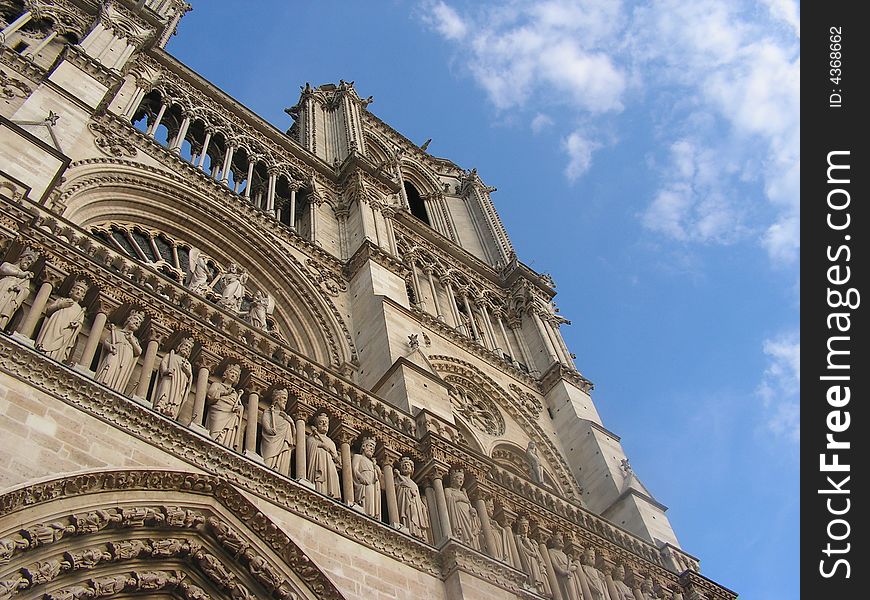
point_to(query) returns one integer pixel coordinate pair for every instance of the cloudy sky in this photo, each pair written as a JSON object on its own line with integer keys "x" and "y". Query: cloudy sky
{"x": 646, "y": 154}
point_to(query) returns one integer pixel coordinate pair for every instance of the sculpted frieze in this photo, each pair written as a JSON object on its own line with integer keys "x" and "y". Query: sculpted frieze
{"x": 110, "y": 139}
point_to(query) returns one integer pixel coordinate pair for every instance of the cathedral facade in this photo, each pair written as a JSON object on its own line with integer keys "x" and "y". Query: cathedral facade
{"x": 239, "y": 362}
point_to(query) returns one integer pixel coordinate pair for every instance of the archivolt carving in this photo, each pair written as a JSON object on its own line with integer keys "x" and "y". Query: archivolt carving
{"x": 138, "y": 185}
{"x": 447, "y": 366}
{"x": 110, "y": 142}
{"x": 11, "y": 87}
{"x": 124, "y": 543}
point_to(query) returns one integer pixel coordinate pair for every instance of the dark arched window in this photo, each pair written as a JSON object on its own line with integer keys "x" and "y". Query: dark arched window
{"x": 418, "y": 207}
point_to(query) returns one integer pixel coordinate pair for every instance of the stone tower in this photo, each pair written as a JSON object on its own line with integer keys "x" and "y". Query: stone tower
{"x": 239, "y": 362}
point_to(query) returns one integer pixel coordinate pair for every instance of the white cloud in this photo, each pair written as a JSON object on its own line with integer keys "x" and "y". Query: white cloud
{"x": 690, "y": 205}
{"x": 780, "y": 385}
{"x": 541, "y": 122}
{"x": 445, "y": 21}
{"x": 722, "y": 77}
{"x": 579, "y": 150}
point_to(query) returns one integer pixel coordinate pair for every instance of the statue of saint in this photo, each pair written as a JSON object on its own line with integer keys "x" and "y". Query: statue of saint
{"x": 174, "y": 379}
{"x": 323, "y": 459}
{"x": 15, "y": 284}
{"x": 233, "y": 288}
{"x": 623, "y": 592}
{"x": 64, "y": 320}
{"x": 594, "y": 578}
{"x": 412, "y": 511}
{"x": 499, "y": 534}
{"x": 225, "y": 407}
{"x": 199, "y": 273}
{"x": 120, "y": 349}
{"x": 277, "y": 436}
{"x": 464, "y": 521}
{"x": 367, "y": 479}
{"x": 261, "y": 308}
{"x": 564, "y": 568}
{"x": 530, "y": 558}
{"x": 536, "y": 469}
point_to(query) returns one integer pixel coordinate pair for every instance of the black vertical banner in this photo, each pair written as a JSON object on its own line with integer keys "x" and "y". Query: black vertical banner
{"x": 835, "y": 225}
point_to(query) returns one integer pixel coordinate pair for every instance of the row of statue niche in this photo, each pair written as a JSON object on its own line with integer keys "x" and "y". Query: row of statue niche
{"x": 233, "y": 291}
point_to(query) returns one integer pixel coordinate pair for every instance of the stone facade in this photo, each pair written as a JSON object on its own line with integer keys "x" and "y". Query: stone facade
{"x": 185, "y": 290}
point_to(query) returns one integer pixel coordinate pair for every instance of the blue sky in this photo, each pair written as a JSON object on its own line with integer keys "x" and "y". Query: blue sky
{"x": 646, "y": 155}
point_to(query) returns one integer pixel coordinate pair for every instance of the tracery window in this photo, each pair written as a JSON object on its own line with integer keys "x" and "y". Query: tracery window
{"x": 480, "y": 412}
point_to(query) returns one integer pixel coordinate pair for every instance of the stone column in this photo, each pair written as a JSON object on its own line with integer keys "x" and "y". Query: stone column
{"x": 516, "y": 327}
{"x": 200, "y": 164}
{"x": 561, "y": 342}
{"x": 551, "y": 572}
{"x": 228, "y": 160}
{"x": 387, "y": 459}
{"x": 545, "y": 339}
{"x": 507, "y": 340}
{"x": 36, "y": 310}
{"x": 182, "y": 133}
{"x": 345, "y": 437}
{"x": 608, "y": 578}
{"x": 15, "y": 26}
{"x": 441, "y": 505}
{"x": 250, "y": 179}
{"x": 270, "y": 193}
{"x": 487, "y": 324}
{"x": 152, "y": 129}
{"x": 134, "y": 102}
{"x": 147, "y": 369}
{"x": 509, "y": 519}
{"x": 554, "y": 341}
{"x": 451, "y": 298}
{"x": 485, "y": 524}
{"x": 199, "y": 400}
{"x": 292, "y": 218}
{"x": 434, "y": 291}
{"x": 416, "y": 281}
{"x": 312, "y": 222}
{"x": 93, "y": 342}
{"x": 45, "y": 42}
{"x": 471, "y": 320}
{"x": 434, "y": 519}
{"x": 252, "y": 414}
{"x": 302, "y": 414}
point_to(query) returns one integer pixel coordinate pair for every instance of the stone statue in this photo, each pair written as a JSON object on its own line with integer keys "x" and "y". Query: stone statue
{"x": 499, "y": 534}
{"x": 367, "y": 479}
{"x": 530, "y": 558}
{"x": 233, "y": 288}
{"x": 464, "y": 522}
{"x": 594, "y": 578}
{"x": 623, "y": 592}
{"x": 174, "y": 379}
{"x": 15, "y": 284}
{"x": 323, "y": 459}
{"x": 225, "y": 407}
{"x": 112, "y": 584}
{"x": 536, "y": 469}
{"x": 199, "y": 273}
{"x": 120, "y": 349}
{"x": 262, "y": 306}
{"x": 278, "y": 433}
{"x": 412, "y": 511}
{"x": 564, "y": 568}
{"x": 64, "y": 320}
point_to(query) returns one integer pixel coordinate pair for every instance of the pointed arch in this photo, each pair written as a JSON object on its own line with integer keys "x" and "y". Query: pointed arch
{"x": 174, "y": 533}
{"x": 102, "y": 191}
{"x": 452, "y": 369}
